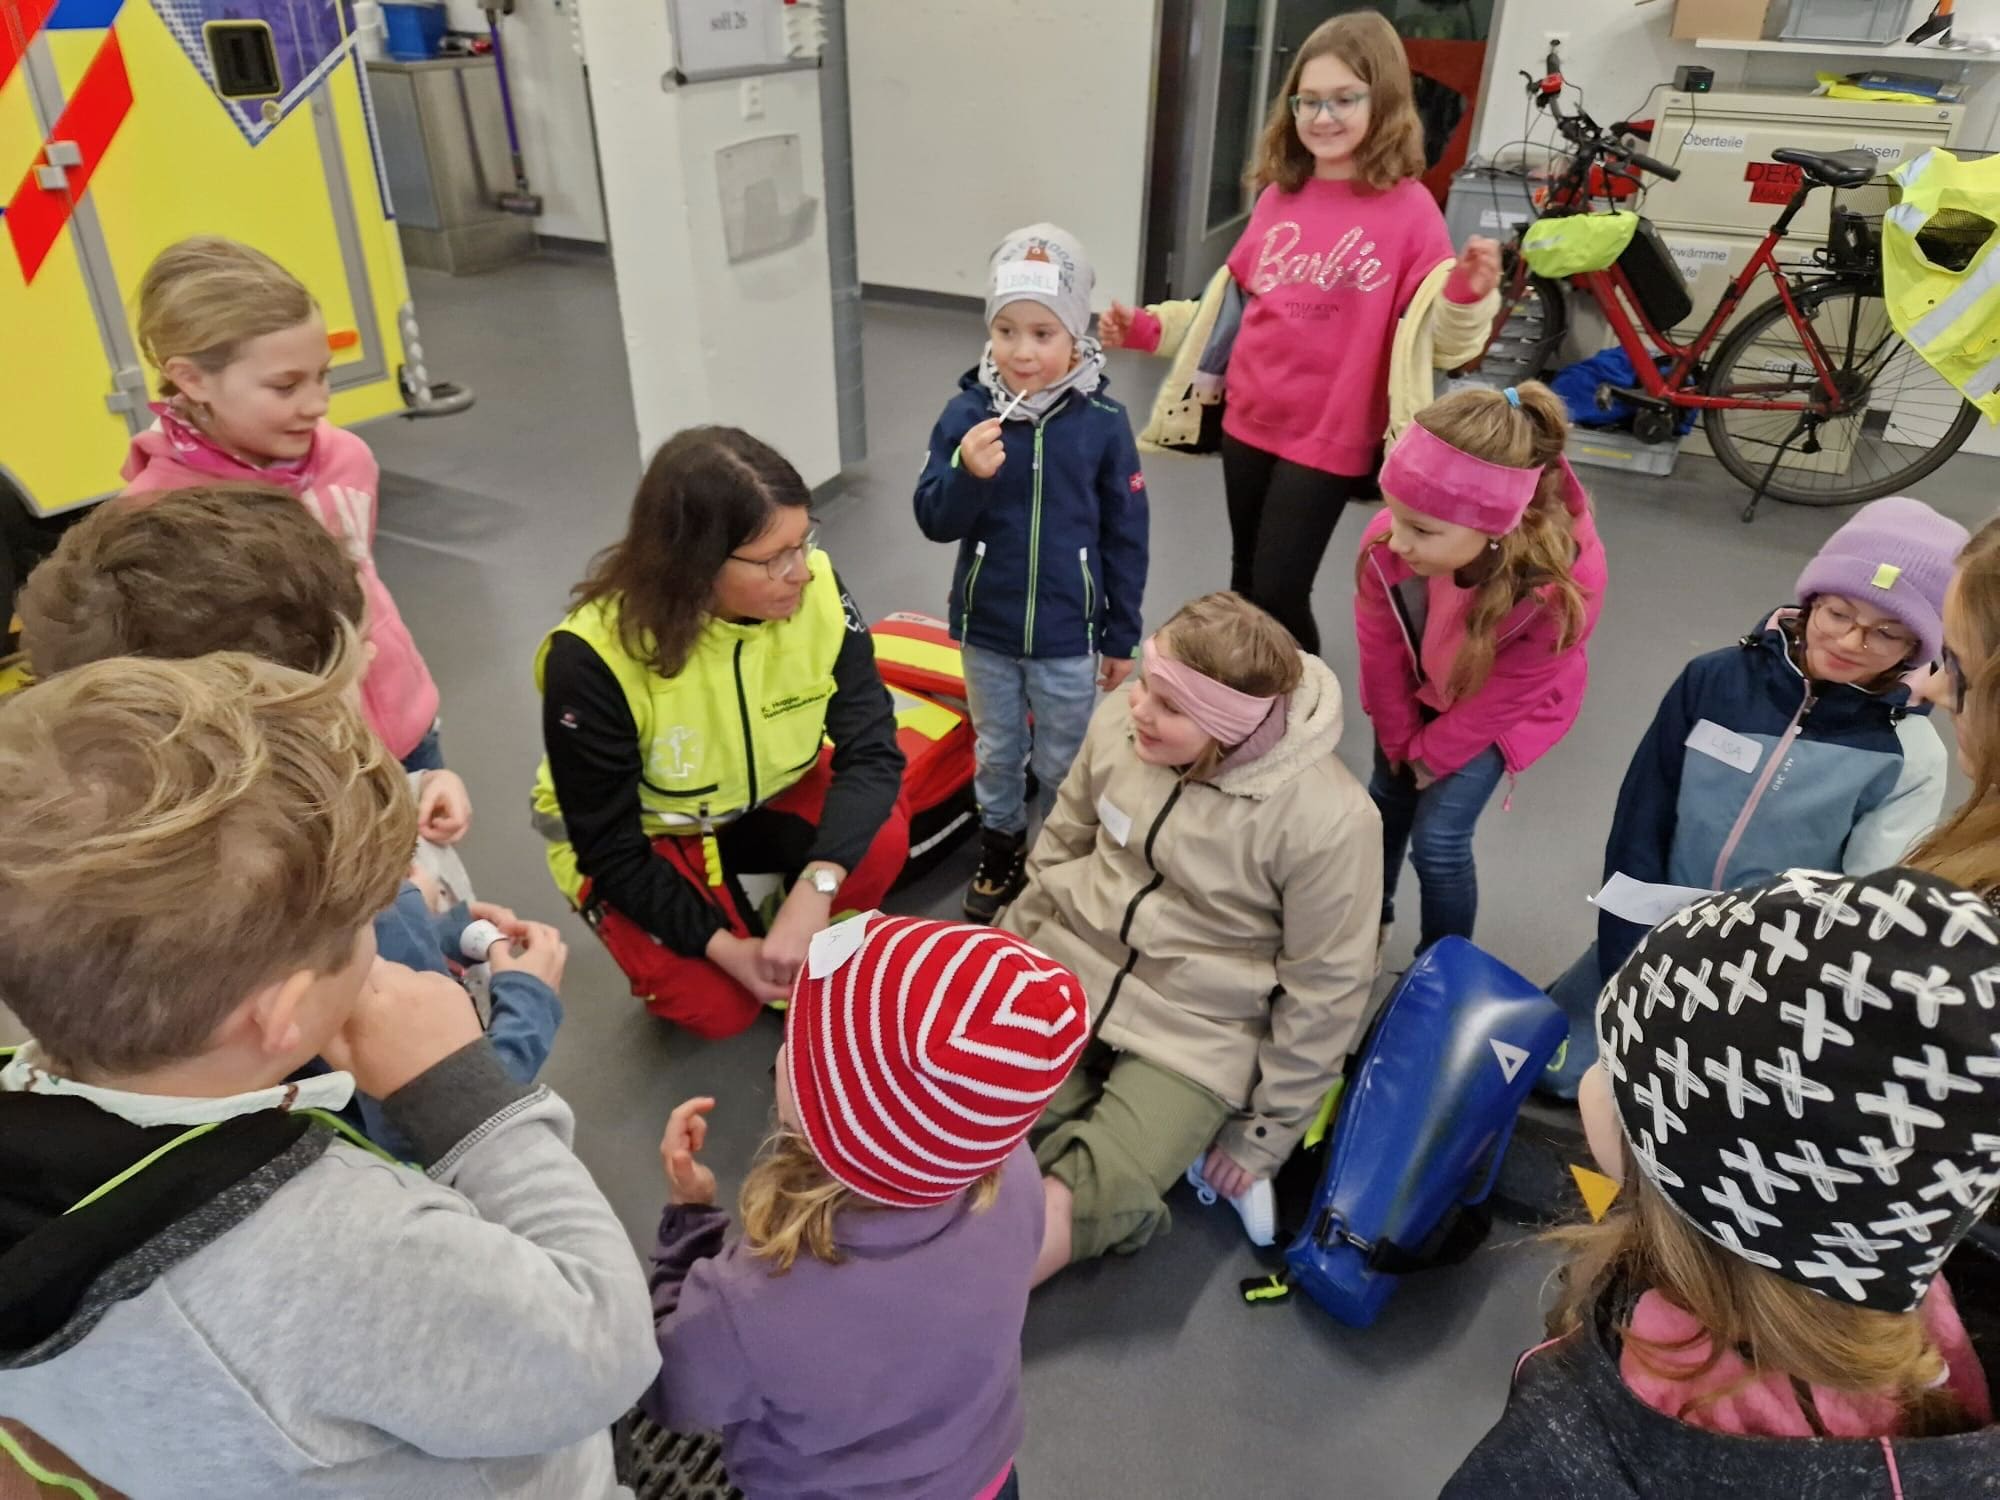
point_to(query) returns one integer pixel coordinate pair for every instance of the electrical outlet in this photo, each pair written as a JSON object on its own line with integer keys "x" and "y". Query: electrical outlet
{"x": 752, "y": 97}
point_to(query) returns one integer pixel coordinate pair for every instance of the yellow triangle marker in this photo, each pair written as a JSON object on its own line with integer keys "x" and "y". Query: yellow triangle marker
{"x": 1598, "y": 1191}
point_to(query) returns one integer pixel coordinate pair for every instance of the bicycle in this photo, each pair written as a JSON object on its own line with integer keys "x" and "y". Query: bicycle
{"x": 1818, "y": 373}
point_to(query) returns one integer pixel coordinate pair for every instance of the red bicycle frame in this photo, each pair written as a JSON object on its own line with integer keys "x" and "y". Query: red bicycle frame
{"x": 1627, "y": 317}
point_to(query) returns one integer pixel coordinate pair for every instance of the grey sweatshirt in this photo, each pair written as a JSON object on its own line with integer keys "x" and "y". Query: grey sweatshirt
{"x": 332, "y": 1324}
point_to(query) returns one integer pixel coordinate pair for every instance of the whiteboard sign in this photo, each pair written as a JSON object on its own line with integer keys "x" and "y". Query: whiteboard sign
{"x": 1729, "y": 142}
{"x": 1693, "y": 257}
{"x": 727, "y": 36}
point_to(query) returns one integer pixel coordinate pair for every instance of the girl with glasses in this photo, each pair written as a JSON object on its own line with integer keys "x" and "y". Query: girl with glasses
{"x": 1796, "y": 747}
{"x": 1320, "y": 335}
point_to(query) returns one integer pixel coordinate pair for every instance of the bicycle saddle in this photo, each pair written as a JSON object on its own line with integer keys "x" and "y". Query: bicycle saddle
{"x": 1834, "y": 168}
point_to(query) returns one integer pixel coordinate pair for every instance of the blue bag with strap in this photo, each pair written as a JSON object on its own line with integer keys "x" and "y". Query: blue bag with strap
{"x": 1422, "y": 1128}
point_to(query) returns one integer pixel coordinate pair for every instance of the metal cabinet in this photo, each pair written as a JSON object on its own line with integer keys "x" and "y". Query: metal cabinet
{"x": 1722, "y": 144}
{"x": 444, "y": 148}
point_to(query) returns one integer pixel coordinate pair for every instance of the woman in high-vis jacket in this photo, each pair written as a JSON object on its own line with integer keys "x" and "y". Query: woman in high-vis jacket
{"x": 711, "y": 654}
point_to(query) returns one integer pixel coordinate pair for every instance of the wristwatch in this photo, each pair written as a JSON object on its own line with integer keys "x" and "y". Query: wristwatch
{"x": 825, "y": 881}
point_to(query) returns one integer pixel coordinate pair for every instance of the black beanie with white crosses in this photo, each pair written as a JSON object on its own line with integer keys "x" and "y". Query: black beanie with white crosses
{"x": 1809, "y": 1071}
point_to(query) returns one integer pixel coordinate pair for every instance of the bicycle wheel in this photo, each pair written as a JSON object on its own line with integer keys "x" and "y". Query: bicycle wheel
{"x": 1898, "y": 419}
{"x": 1525, "y": 344}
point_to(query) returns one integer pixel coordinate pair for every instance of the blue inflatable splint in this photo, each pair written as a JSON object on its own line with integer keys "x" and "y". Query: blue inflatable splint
{"x": 1422, "y": 1128}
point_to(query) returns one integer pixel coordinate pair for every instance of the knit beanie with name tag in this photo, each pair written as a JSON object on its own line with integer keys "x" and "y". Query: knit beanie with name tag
{"x": 1809, "y": 1071}
{"x": 919, "y": 1053}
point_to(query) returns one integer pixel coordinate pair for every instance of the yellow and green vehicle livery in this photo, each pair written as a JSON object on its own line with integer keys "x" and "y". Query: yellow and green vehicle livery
{"x": 126, "y": 125}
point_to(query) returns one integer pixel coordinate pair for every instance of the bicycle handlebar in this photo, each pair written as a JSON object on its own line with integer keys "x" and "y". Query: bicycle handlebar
{"x": 1657, "y": 168}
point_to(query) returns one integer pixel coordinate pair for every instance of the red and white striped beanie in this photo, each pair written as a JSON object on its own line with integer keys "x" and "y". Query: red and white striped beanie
{"x": 919, "y": 1053}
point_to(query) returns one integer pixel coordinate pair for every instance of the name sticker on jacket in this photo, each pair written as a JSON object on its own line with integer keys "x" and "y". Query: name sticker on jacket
{"x": 1725, "y": 745}
{"x": 1117, "y": 824}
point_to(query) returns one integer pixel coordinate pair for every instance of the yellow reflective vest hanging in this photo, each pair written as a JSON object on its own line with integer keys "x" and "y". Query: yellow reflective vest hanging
{"x": 742, "y": 721}
{"x": 1940, "y": 275}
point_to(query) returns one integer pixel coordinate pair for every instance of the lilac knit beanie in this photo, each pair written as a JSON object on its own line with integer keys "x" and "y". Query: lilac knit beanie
{"x": 1898, "y": 555}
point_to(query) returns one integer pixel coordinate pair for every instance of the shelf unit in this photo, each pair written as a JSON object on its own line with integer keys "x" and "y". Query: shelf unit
{"x": 1879, "y": 52}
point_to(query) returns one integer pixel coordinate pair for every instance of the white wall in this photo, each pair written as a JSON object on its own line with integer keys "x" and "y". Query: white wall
{"x": 750, "y": 345}
{"x": 1617, "y": 51}
{"x": 974, "y": 117}
{"x": 545, "y": 74}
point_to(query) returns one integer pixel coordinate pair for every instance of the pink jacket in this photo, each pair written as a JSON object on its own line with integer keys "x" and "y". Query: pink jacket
{"x": 1766, "y": 1405}
{"x": 337, "y": 482}
{"x": 1526, "y": 704}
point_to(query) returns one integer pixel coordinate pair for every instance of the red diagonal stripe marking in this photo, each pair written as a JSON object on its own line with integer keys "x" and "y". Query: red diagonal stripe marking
{"x": 36, "y": 216}
{"x": 20, "y": 20}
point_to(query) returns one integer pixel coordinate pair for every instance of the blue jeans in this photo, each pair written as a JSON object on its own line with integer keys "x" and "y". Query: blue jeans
{"x": 1575, "y": 995}
{"x": 429, "y": 754}
{"x": 1002, "y": 691}
{"x": 1434, "y": 826}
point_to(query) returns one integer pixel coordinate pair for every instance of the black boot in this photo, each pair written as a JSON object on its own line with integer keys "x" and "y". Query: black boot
{"x": 1003, "y": 860}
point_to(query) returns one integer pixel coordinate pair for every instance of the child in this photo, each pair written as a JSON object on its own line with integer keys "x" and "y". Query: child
{"x": 1966, "y": 848}
{"x": 207, "y": 1290}
{"x": 1816, "y": 694}
{"x": 1477, "y": 590}
{"x": 864, "y": 1336}
{"x": 1210, "y": 871}
{"x": 241, "y": 351}
{"x": 1033, "y": 473}
{"x": 1795, "y": 1091}
{"x": 222, "y": 569}
{"x": 1347, "y": 295}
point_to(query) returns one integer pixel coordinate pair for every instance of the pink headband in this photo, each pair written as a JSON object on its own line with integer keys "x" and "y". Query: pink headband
{"x": 1428, "y": 474}
{"x": 1222, "y": 713}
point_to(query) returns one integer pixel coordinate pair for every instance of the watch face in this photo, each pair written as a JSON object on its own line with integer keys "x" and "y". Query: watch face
{"x": 824, "y": 882}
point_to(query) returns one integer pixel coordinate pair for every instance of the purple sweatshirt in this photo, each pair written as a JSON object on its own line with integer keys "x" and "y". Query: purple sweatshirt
{"x": 895, "y": 1375}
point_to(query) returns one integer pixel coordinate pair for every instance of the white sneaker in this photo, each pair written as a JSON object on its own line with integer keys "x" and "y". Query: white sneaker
{"x": 1258, "y": 1208}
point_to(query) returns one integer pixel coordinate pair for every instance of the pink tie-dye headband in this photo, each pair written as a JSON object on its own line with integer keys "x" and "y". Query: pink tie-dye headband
{"x": 1428, "y": 474}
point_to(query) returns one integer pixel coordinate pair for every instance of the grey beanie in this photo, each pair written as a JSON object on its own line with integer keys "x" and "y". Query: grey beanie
{"x": 1042, "y": 264}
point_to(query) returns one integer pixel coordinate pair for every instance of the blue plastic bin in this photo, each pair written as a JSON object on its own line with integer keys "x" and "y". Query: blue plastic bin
{"x": 414, "y": 29}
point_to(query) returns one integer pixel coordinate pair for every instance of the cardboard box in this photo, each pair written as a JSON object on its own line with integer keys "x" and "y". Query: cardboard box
{"x": 1728, "y": 20}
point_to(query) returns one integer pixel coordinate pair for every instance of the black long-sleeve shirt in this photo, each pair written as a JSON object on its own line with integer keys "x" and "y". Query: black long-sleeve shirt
{"x": 596, "y": 761}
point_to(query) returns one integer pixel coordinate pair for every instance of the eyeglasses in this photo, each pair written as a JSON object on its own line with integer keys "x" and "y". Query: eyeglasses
{"x": 1885, "y": 639}
{"x": 780, "y": 565}
{"x": 1336, "y": 107}
{"x": 1954, "y": 671}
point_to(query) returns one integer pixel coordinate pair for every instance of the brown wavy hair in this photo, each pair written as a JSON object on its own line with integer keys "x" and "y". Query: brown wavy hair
{"x": 1538, "y": 556}
{"x": 1394, "y": 146}
{"x": 209, "y": 568}
{"x": 1966, "y": 847}
{"x": 1644, "y": 1244}
{"x": 1226, "y": 637}
{"x": 789, "y": 1203}
{"x": 707, "y": 492}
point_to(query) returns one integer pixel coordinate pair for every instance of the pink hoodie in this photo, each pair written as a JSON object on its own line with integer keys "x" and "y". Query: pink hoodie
{"x": 1767, "y": 1405}
{"x": 337, "y": 481}
{"x": 1527, "y": 703}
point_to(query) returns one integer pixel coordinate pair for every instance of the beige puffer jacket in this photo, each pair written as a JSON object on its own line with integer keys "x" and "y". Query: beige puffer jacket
{"x": 1434, "y": 333}
{"x": 1225, "y": 930}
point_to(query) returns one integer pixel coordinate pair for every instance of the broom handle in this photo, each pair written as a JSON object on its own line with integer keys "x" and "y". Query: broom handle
{"x": 506, "y": 99}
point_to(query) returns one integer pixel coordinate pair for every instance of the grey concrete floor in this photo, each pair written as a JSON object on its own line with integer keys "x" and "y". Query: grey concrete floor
{"x": 1146, "y": 1376}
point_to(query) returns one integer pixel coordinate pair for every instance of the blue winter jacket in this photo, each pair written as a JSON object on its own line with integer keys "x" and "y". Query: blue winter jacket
{"x": 1818, "y": 776}
{"x": 1051, "y": 549}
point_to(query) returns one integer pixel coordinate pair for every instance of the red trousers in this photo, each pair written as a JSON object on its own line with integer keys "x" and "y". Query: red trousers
{"x": 694, "y": 993}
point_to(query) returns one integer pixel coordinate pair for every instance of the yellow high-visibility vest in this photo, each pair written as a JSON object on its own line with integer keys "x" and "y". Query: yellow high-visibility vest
{"x": 1950, "y": 316}
{"x": 739, "y": 723}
